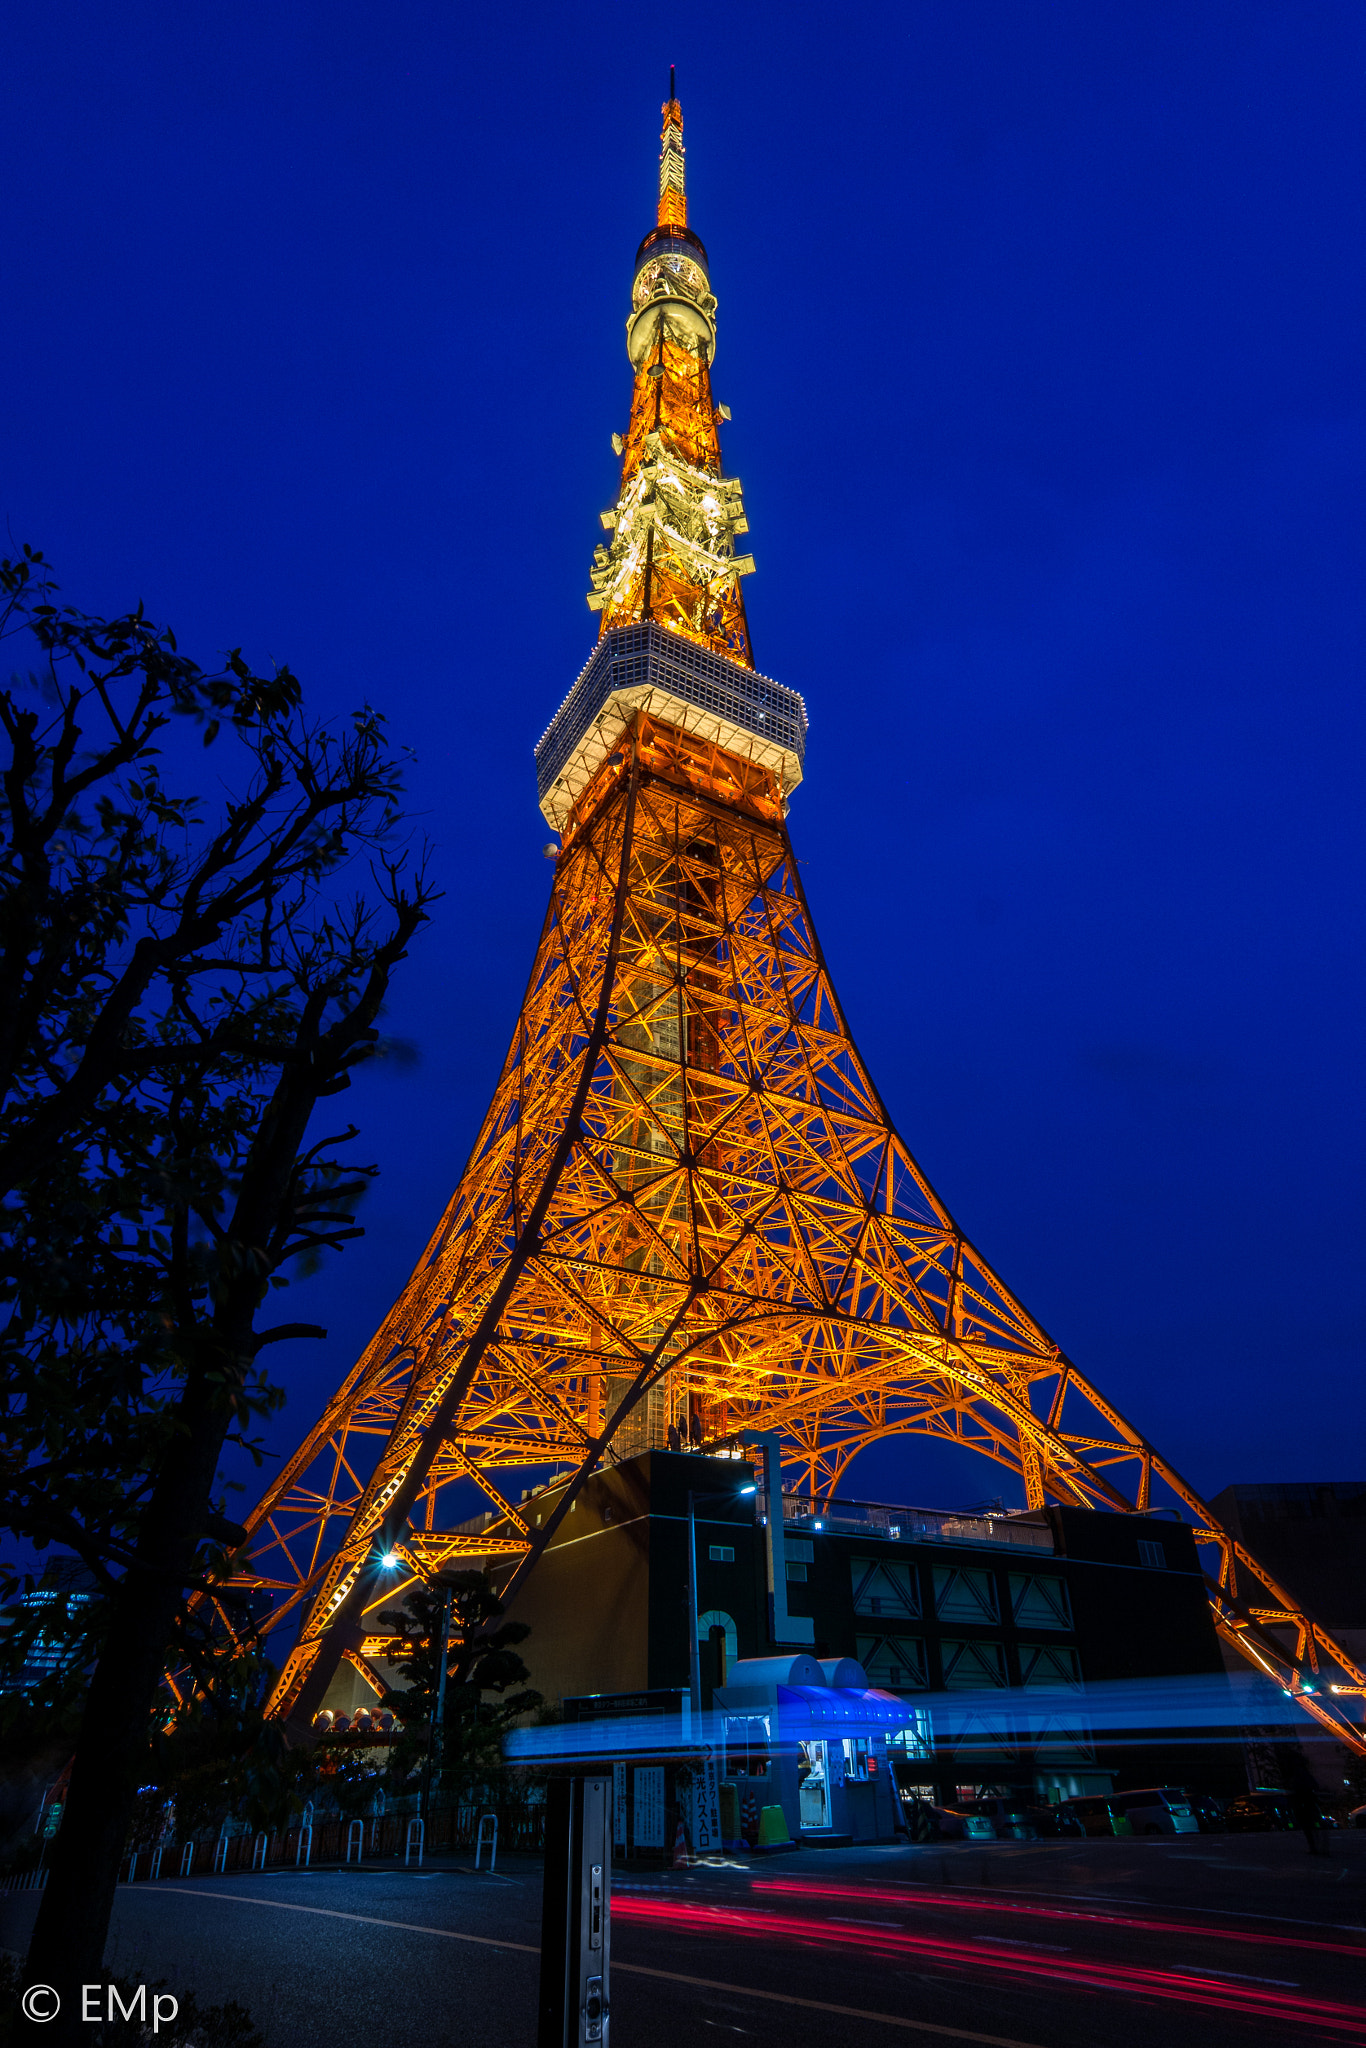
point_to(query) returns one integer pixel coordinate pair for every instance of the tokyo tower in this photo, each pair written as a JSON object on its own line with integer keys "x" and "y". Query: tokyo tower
{"x": 687, "y": 1217}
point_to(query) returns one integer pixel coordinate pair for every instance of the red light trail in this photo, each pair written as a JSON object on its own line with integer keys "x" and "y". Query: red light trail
{"x": 958, "y": 1902}
{"x": 1133, "y": 1980}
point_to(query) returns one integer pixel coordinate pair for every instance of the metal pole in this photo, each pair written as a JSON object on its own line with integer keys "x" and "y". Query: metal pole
{"x": 783, "y": 1627}
{"x": 439, "y": 1715}
{"x": 694, "y": 1675}
{"x": 445, "y": 1642}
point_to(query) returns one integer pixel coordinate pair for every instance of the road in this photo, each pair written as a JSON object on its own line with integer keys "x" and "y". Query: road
{"x": 1201, "y": 1940}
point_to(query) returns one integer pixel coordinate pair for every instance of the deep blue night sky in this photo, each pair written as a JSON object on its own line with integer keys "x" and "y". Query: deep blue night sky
{"x": 1042, "y": 327}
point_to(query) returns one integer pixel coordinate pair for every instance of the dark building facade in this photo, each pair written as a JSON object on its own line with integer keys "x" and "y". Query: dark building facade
{"x": 1016, "y": 1614}
{"x": 1312, "y": 1537}
{"x": 52, "y": 1617}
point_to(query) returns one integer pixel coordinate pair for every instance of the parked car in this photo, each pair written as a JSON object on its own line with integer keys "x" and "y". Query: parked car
{"x": 1052, "y": 1821}
{"x": 1099, "y": 1814}
{"x": 1209, "y": 1813}
{"x": 956, "y": 1824}
{"x": 1009, "y": 1817}
{"x": 1159, "y": 1810}
{"x": 1259, "y": 1813}
{"x": 1357, "y": 1817}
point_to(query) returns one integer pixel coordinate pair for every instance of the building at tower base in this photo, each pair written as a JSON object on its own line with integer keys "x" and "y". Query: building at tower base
{"x": 999, "y": 1634}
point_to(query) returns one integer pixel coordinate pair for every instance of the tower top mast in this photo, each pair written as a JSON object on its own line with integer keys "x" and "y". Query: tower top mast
{"x": 673, "y": 201}
{"x": 672, "y": 561}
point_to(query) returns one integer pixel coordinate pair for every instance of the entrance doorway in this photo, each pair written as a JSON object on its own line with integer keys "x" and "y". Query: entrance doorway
{"x": 813, "y": 1790}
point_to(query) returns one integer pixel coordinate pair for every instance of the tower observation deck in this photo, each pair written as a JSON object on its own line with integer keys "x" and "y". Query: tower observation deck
{"x": 687, "y": 1217}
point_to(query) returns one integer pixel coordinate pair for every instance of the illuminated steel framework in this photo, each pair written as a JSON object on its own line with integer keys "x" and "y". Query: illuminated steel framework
{"x": 687, "y": 1214}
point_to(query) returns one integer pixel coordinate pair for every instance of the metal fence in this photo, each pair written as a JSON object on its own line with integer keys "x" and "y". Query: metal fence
{"x": 338, "y": 1838}
{"x": 920, "y": 1525}
{"x": 334, "y": 1839}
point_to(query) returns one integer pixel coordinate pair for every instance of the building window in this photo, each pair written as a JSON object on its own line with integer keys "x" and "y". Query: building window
{"x": 1049, "y": 1664}
{"x": 747, "y": 1747}
{"x": 722, "y": 1553}
{"x": 1039, "y": 1602}
{"x": 1152, "y": 1553}
{"x": 896, "y": 1663}
{"x": 965, "y": 1593}
{"x": 717, "y": 1618}
{"x": 969, "y": 1665}
{"x": 915, "y": 1740}
{"x": 796, "y": 1572}
{"x": 884, "y": 1588}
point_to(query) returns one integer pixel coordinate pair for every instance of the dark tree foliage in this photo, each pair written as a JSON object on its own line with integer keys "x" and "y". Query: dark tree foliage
{"x": 481, "y": 1658}
{"x": 183, "y": 980}
{"x": 218, "y": 1756}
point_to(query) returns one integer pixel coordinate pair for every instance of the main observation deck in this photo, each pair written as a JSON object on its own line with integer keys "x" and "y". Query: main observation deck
{"x": 648, "y": 668}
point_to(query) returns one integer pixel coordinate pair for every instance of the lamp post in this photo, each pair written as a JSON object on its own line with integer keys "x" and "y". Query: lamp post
{"x": 436, "y": 1731}
{"x": 444, "y": 1582}
{"x": 706, "y": 1811}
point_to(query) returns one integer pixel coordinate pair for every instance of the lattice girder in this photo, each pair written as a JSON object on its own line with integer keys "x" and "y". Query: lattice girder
{"x": 687, "y": 1200}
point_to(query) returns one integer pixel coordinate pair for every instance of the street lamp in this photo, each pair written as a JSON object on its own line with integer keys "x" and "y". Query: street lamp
{"x": 390, "y": 1561}
{"x": 436, "y": 1728}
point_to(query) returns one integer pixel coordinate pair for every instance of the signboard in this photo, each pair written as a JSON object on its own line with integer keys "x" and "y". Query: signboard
{"x": 649, "y": 1805}
{"x": 618, "y": 1806}
{"x": 706, "y": 1804}
{"x": 616, "y": 1706}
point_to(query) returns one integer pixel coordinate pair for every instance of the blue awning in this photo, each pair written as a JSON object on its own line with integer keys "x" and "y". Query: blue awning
{"x": 816, "y": 1713}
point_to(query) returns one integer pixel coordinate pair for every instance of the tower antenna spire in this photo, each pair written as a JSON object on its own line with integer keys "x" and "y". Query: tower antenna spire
{"x": 672, "y": 560}
{"x": 673, "y": 204}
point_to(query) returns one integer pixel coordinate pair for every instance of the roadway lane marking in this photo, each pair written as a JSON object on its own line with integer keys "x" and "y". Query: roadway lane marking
{"x": 848, "y": 2012}
{"x": 184, "y": 1891}
{"x": 1239, "y": 1976}
{"x": 852, "y": 2012}
{"x": 1052, "y": 1948}
{"x": 896, "y": 1924}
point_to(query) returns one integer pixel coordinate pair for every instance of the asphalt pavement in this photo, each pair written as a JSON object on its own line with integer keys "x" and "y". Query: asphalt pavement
{"x": 1190, "y": 1942}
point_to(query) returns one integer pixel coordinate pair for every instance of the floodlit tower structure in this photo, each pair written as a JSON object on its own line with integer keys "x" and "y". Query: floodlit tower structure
{"x": 687, "y": 1217}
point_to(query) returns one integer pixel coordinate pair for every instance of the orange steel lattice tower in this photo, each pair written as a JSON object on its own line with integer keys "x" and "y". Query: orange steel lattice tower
{"x": 687, "y": 1215}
